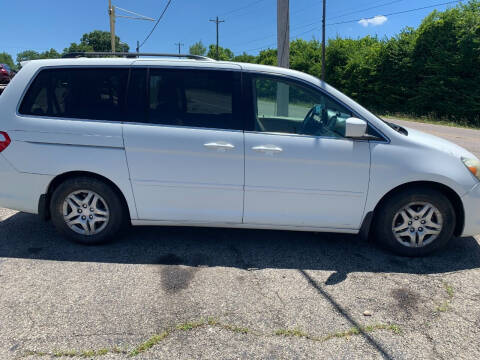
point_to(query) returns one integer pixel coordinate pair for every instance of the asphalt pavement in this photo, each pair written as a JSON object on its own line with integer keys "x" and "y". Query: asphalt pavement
{"x": 199, "y": 293}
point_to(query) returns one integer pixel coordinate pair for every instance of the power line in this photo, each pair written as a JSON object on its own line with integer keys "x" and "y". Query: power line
{"x": 398, "y": 12}
{"x": 365, "y": 9}
{"x": 241, "y": 8}
{"x": 156, "y": 24}
{"x": 316, "y": 22}
{"x": 309, "y": 8}
{"x": 357, "y": 20}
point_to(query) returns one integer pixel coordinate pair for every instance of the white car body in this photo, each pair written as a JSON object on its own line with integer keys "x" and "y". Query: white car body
{"x": 171, "y": 175}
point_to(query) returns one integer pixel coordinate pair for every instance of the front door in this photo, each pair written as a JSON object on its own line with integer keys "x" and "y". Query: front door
{"x": 186, "y": 153}
{"x": 300, "y": 170}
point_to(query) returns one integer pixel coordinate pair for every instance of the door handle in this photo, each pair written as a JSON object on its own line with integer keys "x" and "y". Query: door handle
{"x": 267, "y": 149}
{"x": 219, "y": 146}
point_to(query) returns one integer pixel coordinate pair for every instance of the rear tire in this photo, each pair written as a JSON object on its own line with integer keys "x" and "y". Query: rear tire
{"x": 415, "y": 222}
{"x": 87, "y": 210}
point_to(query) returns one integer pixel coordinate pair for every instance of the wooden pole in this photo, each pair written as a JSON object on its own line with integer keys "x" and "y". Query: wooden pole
{"x": 323, "y": 40}
{"x": 111, "y": 13}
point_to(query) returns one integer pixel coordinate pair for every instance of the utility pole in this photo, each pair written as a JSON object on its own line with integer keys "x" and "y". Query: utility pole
{"x": 111, "y": 13}
{"x": 179, "y": 46}
{"x": 283, "y": 33}
{"x": 138, "y": 46}
{"x": 216, "y": 21}
{"x": 113, "y": 16}
{"x": 323, "y": 40}
{"x": 283, "y": 54}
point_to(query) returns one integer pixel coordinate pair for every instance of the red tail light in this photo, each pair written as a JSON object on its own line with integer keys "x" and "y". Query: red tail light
{"x": 4, "y": 140}
{"x": 3, "y": 71}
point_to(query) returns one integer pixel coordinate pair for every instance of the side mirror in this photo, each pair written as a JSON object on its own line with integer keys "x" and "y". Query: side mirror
{"x": 355, "y": 128}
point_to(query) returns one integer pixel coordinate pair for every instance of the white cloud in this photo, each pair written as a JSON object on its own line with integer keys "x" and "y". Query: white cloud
{"x": 374, "y": 21}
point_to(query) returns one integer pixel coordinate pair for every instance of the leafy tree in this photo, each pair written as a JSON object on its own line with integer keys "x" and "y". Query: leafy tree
{"x": 224, "y": 54}
{"x": 74, "y": 47}
{"x": 97, "y": 40}
{"x": 397, "y": 79}
{"x": 306, "y": 55}
{"x": 244, "y": 57}
{"x": 429, "y": 70}
{"x": 267, "y": 57}
{"x": 446, "y": 59}
{"x": 35, "y": 55}
{"x": 7, "y": 59}
{"x": 198, "y": 49}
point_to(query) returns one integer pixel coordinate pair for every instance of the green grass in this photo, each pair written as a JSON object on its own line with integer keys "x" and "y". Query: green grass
{"x": 364, "y": 329}
{"x": 445, "y": 305}
{"x": 236, "y": 329}
{"x": 449, "y": 289}
{"x": 190, "y": 325}
{"x": 431, "y": 120}
{"x": 156, "y": 339}
{"x": 290, "y": 333}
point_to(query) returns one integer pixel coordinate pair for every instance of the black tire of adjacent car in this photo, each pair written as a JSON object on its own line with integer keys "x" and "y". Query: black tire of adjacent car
{"x": 113, "y": 200}
{"x": 383, "y": 220}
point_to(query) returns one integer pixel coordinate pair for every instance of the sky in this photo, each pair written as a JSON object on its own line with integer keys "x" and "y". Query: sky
{"x": 250, "y": 25}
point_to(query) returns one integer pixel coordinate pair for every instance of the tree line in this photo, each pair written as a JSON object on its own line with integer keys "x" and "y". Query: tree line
{"x": 433, "y": 70}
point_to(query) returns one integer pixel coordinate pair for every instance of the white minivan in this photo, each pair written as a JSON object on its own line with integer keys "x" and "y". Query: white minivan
{"x": 94, "y": 143}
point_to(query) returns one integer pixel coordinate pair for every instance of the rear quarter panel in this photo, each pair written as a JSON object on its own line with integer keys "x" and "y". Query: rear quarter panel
{"x": 54, "y": 146}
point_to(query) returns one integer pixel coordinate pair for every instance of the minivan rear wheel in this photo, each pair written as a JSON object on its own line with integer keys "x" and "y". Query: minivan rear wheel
{"x": 415, "y": 222}
{"x": 86, "y": 210}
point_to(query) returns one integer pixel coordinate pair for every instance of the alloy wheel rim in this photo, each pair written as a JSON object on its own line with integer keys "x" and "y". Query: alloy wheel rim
{"x": 417, "y": 224}
{"x": 85, "y": 212}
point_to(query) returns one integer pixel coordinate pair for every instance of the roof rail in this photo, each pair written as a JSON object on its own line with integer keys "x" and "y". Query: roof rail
{"x": 132, "y": 55}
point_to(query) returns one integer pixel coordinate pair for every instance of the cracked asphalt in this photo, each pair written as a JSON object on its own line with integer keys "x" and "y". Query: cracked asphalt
{"x": 59, "y": 298}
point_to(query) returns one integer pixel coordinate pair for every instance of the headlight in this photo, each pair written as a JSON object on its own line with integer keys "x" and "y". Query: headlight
{"x": 473, "y": 165}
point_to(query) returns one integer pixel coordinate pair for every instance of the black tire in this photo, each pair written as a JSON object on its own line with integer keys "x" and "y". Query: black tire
{"x": 384, "y": 217}
{"x": 117, "y": 211}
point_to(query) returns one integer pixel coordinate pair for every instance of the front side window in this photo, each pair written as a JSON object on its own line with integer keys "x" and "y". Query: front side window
{"x": 80, "y": 93}
{"x": 194, "y": 98}
{"x": 282, "y": 106}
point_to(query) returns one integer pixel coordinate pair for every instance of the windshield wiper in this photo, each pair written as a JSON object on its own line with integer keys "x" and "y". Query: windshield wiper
{"x": 396, "y": 127}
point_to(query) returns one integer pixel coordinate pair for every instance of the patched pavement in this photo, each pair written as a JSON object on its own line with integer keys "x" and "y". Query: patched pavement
{"x": 199, "y": 293}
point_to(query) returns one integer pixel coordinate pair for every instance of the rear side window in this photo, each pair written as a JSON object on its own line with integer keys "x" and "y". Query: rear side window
{"x": 82, "y": 93}
{"x": 195, "y": 98}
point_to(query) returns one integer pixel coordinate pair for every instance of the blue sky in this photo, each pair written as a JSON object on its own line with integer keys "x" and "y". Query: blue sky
{"x": 249, "y": 24}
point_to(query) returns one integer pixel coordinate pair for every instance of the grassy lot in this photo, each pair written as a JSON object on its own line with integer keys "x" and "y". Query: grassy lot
{"x": 430, "y": 120}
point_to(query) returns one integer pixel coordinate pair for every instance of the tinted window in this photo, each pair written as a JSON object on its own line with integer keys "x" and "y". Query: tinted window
{"x": 77, "y": 93}
{"x": 286, "y": 107}
{"x": 197, "y": 98}
{"x": 137, "y": 96}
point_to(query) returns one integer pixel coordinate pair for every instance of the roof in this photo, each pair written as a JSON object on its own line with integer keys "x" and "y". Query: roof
{"x": 174, "y": 62}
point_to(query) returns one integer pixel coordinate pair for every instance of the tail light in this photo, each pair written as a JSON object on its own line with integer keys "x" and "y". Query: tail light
{"x": 4, "y": 140}
{"x": 3, "y": 71}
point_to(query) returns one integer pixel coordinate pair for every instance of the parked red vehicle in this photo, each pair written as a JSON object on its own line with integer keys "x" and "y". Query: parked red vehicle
{"x": 6, "y": 74}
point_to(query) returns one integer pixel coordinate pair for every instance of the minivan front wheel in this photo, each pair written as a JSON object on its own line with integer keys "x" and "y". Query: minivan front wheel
{"x": 415, "y": 222}
{"x": 86, "y": 210}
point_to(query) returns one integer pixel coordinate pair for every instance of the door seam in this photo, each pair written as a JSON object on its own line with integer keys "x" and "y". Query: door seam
{"x": 128, "y": 169}
{"x": 244, "y": 177}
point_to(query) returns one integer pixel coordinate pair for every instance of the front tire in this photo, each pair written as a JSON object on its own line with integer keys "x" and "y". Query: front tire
{"x": 87, "y": 210}
{"x": 415, "y": 222}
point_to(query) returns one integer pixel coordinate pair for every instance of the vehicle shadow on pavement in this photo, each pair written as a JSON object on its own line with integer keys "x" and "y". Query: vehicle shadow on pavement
{"x": 26, "y": 236}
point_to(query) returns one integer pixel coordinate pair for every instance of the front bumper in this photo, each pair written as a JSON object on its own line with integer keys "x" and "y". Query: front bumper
{"x": 471, "y": 204}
